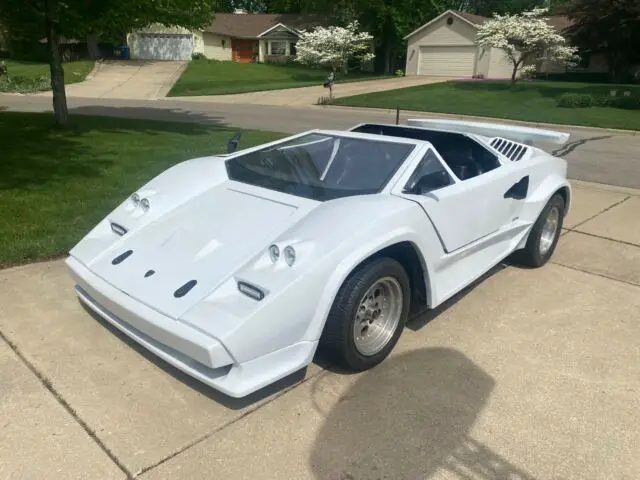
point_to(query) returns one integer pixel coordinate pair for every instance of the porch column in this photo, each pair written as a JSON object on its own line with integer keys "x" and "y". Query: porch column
{"x": 262, "y": 50}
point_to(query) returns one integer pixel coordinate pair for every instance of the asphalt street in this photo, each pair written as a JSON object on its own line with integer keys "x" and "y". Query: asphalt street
{"x": 594, "y": 155}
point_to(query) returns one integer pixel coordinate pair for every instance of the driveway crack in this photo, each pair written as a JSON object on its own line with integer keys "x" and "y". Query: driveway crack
{"x": 596, "y": 274}
{"x": 60, "y": 399}
{"x": 206, "y": 436}
{"x": 610, "y": 207}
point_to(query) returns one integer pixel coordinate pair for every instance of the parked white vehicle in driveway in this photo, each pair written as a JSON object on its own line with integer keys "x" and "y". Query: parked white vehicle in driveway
{"x": 235, "y": 268}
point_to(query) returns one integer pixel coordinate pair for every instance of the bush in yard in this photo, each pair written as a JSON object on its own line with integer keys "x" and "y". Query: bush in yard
{"x": 21, "y": 84}
{"x": 198, "y": 56}
{"x": 575, "y": 100}
{"x": 626, "y": 103}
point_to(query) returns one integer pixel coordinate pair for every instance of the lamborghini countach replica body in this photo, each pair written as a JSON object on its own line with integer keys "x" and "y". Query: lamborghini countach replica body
{"x": 236, "y": 268}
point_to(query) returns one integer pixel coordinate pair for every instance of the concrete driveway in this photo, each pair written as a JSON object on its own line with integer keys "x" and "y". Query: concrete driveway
{"x": 133, "y": 79}
{"x": 531, "y": 374}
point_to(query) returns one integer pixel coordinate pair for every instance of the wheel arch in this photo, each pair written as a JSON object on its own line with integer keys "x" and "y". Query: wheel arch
{"x": 565, "y": 191}
{"x": 406, "y": 252}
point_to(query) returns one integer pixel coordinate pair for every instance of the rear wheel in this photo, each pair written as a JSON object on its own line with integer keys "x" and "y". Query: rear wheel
{"x": 368, "y": 315}
{"x": 544, "y": 235}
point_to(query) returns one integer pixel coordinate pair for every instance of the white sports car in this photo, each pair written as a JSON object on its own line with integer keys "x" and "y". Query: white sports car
{"x": 235, "y": 268}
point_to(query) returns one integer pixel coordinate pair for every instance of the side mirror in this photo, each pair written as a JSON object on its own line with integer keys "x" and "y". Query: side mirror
{"x": 232, "y": 144}
{"x": 429, "y": 182}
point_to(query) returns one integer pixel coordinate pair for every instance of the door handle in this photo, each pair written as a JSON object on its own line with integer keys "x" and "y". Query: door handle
{"x": 518, "y": 190}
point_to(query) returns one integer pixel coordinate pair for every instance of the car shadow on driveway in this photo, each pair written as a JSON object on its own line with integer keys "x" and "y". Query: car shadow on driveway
{"x": 408, "y": 418}
{"x": 420, "y": 319}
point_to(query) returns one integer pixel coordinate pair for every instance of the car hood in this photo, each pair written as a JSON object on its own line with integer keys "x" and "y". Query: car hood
{"x": 200, "y": 243}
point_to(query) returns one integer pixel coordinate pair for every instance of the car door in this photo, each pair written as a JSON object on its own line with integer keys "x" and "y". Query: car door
{"x": 464, "y": 211}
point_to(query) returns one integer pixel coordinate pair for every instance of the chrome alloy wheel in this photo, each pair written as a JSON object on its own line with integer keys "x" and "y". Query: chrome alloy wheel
{"x": 549, "y": 230}
{"x": 378, "y": 316}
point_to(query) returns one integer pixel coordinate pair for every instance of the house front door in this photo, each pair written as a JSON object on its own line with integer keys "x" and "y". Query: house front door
{"x": 243, "y": 50}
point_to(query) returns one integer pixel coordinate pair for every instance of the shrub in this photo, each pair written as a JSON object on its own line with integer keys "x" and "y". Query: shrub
{"x": 21, "y": 84}
{"x": 575, "y": 100}
{"x": 323, "y": 101}
{"x": 198, "y": 56}
{"x": 625, "y": 103}
{"x": 399, "y": 73}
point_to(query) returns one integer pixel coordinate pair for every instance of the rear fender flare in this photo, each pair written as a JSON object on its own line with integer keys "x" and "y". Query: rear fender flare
{"x": 540, "y": 197}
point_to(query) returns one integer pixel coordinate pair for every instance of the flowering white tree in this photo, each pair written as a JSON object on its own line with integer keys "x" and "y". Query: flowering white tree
{"x": 526, "y": 39}
{"x": 334, "y": 47}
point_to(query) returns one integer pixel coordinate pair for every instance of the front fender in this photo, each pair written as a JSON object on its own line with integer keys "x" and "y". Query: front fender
{"x": 337, "y": 237}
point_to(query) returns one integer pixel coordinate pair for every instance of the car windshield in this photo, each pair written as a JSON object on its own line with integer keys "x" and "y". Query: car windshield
{"x": 321, "y": 167}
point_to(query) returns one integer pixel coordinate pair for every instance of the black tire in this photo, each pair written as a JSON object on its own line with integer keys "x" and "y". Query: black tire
{"x": 530, "y": 255}
{"x": 337, "y": 341}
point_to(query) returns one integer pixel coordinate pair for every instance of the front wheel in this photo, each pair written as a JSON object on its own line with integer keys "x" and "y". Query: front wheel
{"x": 368, "y": 315}
{"x": 544, "y": 235}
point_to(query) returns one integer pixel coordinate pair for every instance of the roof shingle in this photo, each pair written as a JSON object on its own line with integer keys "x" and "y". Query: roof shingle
{"x": 559, "y": 22}
{"x": 250, "y": 25}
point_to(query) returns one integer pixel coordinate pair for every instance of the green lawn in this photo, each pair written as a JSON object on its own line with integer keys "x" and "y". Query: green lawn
{"x": 55, "y": 186}
{"x": 34, "y": 76}
{"x": 211, "y": 77}
{"x": 533, "y": 101}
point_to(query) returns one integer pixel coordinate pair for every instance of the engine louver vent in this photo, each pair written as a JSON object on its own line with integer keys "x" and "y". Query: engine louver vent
{"x": 512, "y": 150}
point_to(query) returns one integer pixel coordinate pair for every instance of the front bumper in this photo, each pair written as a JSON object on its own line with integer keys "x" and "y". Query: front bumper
{"x": 189, "y": 350}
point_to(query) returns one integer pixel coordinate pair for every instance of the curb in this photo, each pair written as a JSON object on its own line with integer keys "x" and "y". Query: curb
{"x": 97, "y": 65}
{"x": 456, "y": 116}
{"x": 604, "y": 187}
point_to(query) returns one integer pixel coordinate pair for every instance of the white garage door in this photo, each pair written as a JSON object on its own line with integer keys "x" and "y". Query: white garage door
{"x": 163, "y": 46}
{"x": 447, "y": 61}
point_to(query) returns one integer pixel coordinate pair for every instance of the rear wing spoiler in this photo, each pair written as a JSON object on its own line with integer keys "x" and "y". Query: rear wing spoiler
{"x": 516, "y": 133}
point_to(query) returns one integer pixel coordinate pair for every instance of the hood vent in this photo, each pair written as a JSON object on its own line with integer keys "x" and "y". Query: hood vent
{"x": 121, "y": 258}
{"x": 184, "y": 289}
{"x": 512, "y": 150}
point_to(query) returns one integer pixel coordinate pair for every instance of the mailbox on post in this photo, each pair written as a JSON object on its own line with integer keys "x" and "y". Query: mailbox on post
{"x": 328, "y": 83}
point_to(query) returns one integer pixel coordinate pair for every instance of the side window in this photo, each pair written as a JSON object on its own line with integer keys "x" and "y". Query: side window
{"x": 428, "y": 176}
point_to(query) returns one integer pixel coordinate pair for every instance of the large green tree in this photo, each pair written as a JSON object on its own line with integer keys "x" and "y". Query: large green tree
{"x": 53, "y": 19}
{"x": 609, "y": 27}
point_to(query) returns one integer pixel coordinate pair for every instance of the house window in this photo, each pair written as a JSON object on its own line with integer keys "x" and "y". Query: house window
{"x": 277, "y": 48}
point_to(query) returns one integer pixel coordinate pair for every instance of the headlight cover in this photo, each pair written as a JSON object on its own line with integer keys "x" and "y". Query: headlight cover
{"x": 274, "y": 253}
{"x": 289, "y": 255}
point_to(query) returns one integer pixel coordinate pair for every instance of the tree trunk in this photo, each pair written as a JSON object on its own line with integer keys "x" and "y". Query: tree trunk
{"x": 514, "y": 74}
{"x": 618, "y": 68}
{"x": 60, "y": 112}
{"x": 387, "y": 57}
{"x": 92, "y": 46}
